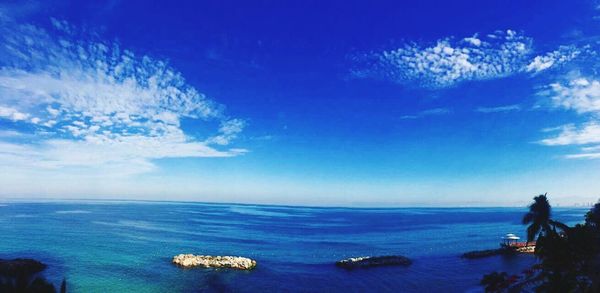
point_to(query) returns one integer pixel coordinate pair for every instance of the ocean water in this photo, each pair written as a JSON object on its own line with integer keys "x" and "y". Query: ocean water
{"x": 127, "y": 246}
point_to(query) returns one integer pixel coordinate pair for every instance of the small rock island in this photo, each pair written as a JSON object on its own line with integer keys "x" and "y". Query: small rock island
{"x": 373, "y": 261}
{"x": 209, "y": 261}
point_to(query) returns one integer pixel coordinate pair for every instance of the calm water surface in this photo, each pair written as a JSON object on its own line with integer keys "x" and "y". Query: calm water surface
{"x": 127, "y": 246}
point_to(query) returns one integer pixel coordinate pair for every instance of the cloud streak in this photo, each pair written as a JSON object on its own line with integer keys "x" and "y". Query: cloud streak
{"x": 499, "y": 109}
{"x": 427, "y": 113}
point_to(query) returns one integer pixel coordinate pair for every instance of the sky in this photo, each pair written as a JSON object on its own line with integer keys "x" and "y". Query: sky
{"x": 344, "y": 103}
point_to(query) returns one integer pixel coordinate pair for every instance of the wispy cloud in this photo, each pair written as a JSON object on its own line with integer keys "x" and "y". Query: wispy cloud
{"x": 499, "y": 109}
{"x": 581, "y": 95}
{"x": 228, "y": 131}
{"x": 573, "y": 135}
{"x": 99, "y": 105}
{"x": 560, "y": 56}
{"x": 450, "y": 61}
{"x": 429, "y": 112}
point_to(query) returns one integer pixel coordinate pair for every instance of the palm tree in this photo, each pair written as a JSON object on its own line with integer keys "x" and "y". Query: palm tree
{"x": 538, "y": 217}
{"x": 592, "y": 218}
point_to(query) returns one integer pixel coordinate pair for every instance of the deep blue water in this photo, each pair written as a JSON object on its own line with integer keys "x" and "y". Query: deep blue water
{"x": 127, "y": 246}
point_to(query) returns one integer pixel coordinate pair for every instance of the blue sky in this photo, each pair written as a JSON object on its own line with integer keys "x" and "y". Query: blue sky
{"x": 355, "y": 103}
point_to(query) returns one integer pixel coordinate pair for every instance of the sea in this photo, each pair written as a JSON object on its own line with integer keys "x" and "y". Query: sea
{"x": 127, "y": 246}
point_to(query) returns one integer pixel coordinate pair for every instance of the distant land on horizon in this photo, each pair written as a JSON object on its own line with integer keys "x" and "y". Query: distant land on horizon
{"x": 300, "y": 205}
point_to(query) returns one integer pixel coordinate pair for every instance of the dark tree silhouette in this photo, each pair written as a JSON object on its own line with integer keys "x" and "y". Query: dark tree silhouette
{"x": 538, "y": 217}
{"x": 569, "y": 256}
{"x": 592, "y": 218}
{"x": 564, "y": 256}
{"x": 494, "y": 282}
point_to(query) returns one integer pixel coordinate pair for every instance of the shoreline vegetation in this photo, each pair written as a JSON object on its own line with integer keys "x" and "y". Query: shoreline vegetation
{"x": 568, "y": 256}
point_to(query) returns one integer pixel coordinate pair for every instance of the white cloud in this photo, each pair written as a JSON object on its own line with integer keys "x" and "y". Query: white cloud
{"x": 562, "y": 55}
{"x": 53, "y": 112}
{"x": 581, "y": 95}
{"x": 12, "y": 114}
{"x": 448, "y": 62}
{"x": 429, "y": 112}
{"x": 228, "y": 131}
{"x": 100, "y": 105}
{"x": 473, "y": 41}
{"x": 572, "y": 135}
{"x": 591, "y": 149}
{"x": 584, "y": 156}
{"x": 499, "y": 109}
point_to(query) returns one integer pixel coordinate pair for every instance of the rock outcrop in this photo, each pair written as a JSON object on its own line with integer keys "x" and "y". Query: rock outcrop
{"x": 20, "y": 266}
{"x": 499, "y": 251}
{"x": 23, "y": 275}
{"x": 486, "y": 253}
{"x": 373, "y": 261}
{"x": 209, "y": 261}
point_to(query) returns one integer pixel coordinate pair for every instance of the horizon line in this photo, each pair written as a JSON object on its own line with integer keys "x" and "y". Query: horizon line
{"x": 41, "y": 200}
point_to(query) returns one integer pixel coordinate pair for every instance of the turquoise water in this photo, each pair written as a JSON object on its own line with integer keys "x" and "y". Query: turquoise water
{"x": 127, "y": 246}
